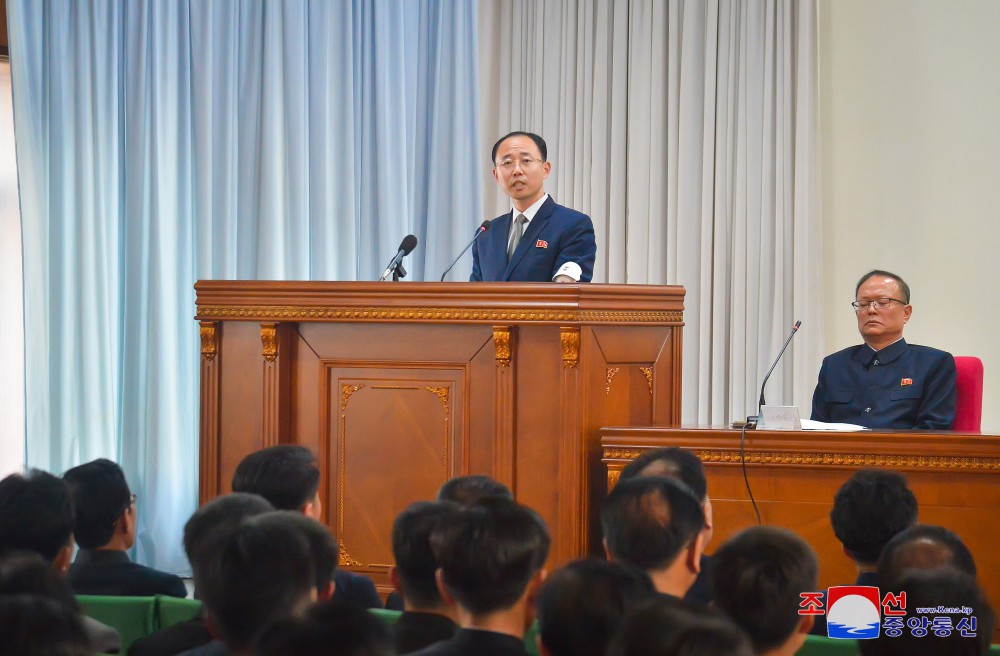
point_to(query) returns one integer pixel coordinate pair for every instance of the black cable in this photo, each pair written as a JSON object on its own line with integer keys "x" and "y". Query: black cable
{"x": 743, "y": 461}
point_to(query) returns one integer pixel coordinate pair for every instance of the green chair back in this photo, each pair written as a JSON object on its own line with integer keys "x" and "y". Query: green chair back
{"x": 172, "y": 610}
{"x": 823, "y": 646}
{"x": 132, "y": 617}
{"x": 530, "y": 639}
{"x": 387, "y": 616}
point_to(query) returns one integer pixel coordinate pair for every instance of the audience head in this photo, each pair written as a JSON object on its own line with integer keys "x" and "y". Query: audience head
{"x": 103, "y": 504}
{"x": 322, "y": 546}
{"x": 467, "y": 490}
{"x": 490, "y": 555}
{"x": 36, "y": 514}
{"x": 331, "y": 628}
{"x": 667, "y": 626}
{"x": 414, "y": 573}
{"x": 221, "y": 514}
{"x": 655, "y": 523}
{"x": 943, "y": 586}
{"x": 869, "y": 509}
{"x": 286, "y": 475}
{"x": 580, "y": 606}
{"x": 758, "y": 576}
{"x": 924, "y": 546}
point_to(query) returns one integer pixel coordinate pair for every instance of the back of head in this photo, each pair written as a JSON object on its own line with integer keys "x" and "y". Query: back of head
{"x": 286, "y": 475}
{"x": 672, "y": 462}
{"x": 869, "y": 509}
{"x": 26, "y": 573}
{"x": 262, "y": 570}
{"x": 36, "y": 514}
{"x": 757, "y": 578}
{"x": 924, "y": 546}
{"x": 580, "y": 606}
{"x": 100, "y": 495}
{"x": 322, "y": 545}
{"x": 944, "y": 586}
{"x": 668, "y": 626}
{"x": 331, "y": 628}
{"x": 649, "y": 520}
{"x": 221, "y": 514}
{"x": 489, "y": 552}
{"x": 411, "y": 549}
{"x": 467, "y": 490}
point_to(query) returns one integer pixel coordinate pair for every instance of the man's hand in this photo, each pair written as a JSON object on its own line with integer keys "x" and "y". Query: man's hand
{"x": 563, "y": 278}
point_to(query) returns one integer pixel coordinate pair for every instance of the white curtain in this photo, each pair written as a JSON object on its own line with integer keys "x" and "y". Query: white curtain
{"x": 689, "y": 131}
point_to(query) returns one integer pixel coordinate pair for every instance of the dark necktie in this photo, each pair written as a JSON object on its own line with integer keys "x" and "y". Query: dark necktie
{"x": 515, "y": 234}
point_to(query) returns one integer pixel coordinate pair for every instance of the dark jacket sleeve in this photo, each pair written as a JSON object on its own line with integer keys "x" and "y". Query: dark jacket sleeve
{"x": 937, "y": 406}
{"x": 580, "y": 246}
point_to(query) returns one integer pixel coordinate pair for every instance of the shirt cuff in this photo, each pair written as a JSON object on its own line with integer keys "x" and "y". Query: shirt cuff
{"x": 571, "y": 269}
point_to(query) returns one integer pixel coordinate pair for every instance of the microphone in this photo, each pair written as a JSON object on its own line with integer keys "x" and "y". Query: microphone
{"x": 395, "y": 268}
{"x": 480, "y": 230}
{"x": 761, "y": 401}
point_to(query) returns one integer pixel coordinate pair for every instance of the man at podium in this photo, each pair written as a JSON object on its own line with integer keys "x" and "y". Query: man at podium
{"x": 538, "y": 240}
{"x": 885, "y": 382}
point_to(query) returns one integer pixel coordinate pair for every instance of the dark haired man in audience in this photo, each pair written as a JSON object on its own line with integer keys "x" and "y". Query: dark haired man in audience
{"x": 885, "y": 382}
{"x": 668, "y": 626}
{"x": 36, "y": 516}
{"x": 105, "y": 531}
{"x": 759, "y": 576}
{"x": 686, "y": 467}
{"x": 467, "y": 490}
{"x": 580, "y": 606}
{"x": 924, "y": 546}
{"x": 491, "y": 557}
{"x": 656, "y": 523}
{"x": 330, "y": 628}
{"x": 287, "y": 476}
{"x": 426, "y": 618}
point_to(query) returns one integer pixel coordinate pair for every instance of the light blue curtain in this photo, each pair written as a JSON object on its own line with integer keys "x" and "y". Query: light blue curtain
{"x": 163, "y": 142}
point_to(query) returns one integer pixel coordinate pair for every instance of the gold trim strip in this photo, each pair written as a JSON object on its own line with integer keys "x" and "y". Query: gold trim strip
{"x": 648, "y": 373}
{"x": 612, "y": 371}
{"x": 501, "y": 345}
{"x": 322, "y": 313}
{"x": 269, "y": 341}
{"x": 569, "y": 337}
{"x": 209, "y": 344}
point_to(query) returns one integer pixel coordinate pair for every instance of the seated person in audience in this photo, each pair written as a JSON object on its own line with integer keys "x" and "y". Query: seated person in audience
{"x": 656, "y": 523}
{"x": 467, "y": 490}
{"x": 668, "y": 626}
{"x": 490, "y": 557}
{"x": 924, "y": 546}
{"x": 759, "y": 576}
{"x": 287, "y": 476}
{"x": 885, "y": 382}
{"x": 947, "y": 634}
{"x": 36, "y": 516}
{"x": 221, "y": 513}
{"x": 580, "y": 606}
{"x": 686, "y": 467}
{"x": 105, "y": 531}
{"x": 251, "y": 576}
{"x": 426, "y": 618}
{"x": 329, "y": 628}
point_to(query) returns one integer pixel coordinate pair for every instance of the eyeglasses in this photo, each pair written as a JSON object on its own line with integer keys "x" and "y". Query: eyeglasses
{"x": 525, "y": 162}
{"x": 877, "y": 303}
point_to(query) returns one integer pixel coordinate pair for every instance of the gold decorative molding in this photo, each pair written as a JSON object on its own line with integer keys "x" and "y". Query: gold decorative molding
{"x": 648, "y": 373}
{"x": 325, "y": 313}
{"x": 569, "y": 337}
{"x": 345, "y": 394}
{"x": 395, "y": 387}
{"x": 613, "y": 476}
{"x": 269, "y": 341}
{"x": 442, "y": 394}
{"x": 346, "y": 559}
{"x": 209, "y": 345}
{"x": 501, "y": 344}
{"x": 612, "y": 371}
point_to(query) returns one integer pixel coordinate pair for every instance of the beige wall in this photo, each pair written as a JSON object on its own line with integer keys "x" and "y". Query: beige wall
{"x": 910, "y": 103}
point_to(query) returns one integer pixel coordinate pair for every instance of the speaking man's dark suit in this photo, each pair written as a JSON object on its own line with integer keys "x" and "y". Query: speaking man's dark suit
{"x": 901, "y": 386}
{"x": 555, "y": 235}
{"x": 110, "y": 572}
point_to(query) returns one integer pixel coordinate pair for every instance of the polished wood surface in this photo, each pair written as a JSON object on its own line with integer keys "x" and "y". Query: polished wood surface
{"x": 398, "y": 387}
{"x": 794, "y": 475}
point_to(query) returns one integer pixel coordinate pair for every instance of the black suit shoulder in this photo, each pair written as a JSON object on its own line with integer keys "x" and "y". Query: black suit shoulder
{"x": 123, "y": 578}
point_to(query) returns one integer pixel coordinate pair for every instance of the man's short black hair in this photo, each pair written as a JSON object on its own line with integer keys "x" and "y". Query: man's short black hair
{"x": 100, "y": 496}
{"x": 36, "y": 514}
{"x": 542, "y": 148}
{"x": 467, "y": 490}
{"x": 924, "y": 546}
{"x": 262, "y": 570}
{"x": 580, "y": 606}
{"x": 869, "y": 509}
{"x": 411, "y": 549}
{"x": 286, "y": 475}
{"x": 649, "y": 520}
{"x": 943, "y": 586}
{"x": 903, "y": 287}
{"x": 489, "y": 552}
{"x": 668, "y": 626}
{"x": 322, "y": 544}
{"x": 332, "y": 628}
{"x": 219, "y": 515}
{"x": 758, "y": 576}
{"x": 673, "y": 462}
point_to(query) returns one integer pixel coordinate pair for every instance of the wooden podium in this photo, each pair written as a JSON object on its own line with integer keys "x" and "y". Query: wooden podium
{"x": 398, "y": 387}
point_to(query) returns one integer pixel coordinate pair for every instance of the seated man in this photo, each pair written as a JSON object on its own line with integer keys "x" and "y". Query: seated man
{"x": 105, "y": 531}
{"x": 885, "y": 382}
{"x": 759, "y": 575}
{"x": 656, "y": 524}
{"x": 667, "y": 626}
{"x": 329, "y": 628}
{"x": 467, "y": 490}
{"x": 490, "y": 557}
{"x": 924, "y": 546}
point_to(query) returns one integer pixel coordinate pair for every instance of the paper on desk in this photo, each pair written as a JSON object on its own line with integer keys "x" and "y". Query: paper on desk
{"x": 809, "y": 424}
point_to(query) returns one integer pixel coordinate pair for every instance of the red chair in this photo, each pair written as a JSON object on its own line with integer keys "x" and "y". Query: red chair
{"x": 969, "y": 397}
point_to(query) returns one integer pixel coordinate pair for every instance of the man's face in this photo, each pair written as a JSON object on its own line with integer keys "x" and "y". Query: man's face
{"x": 883, "y": 326}
{"x": 523, "y": 183}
